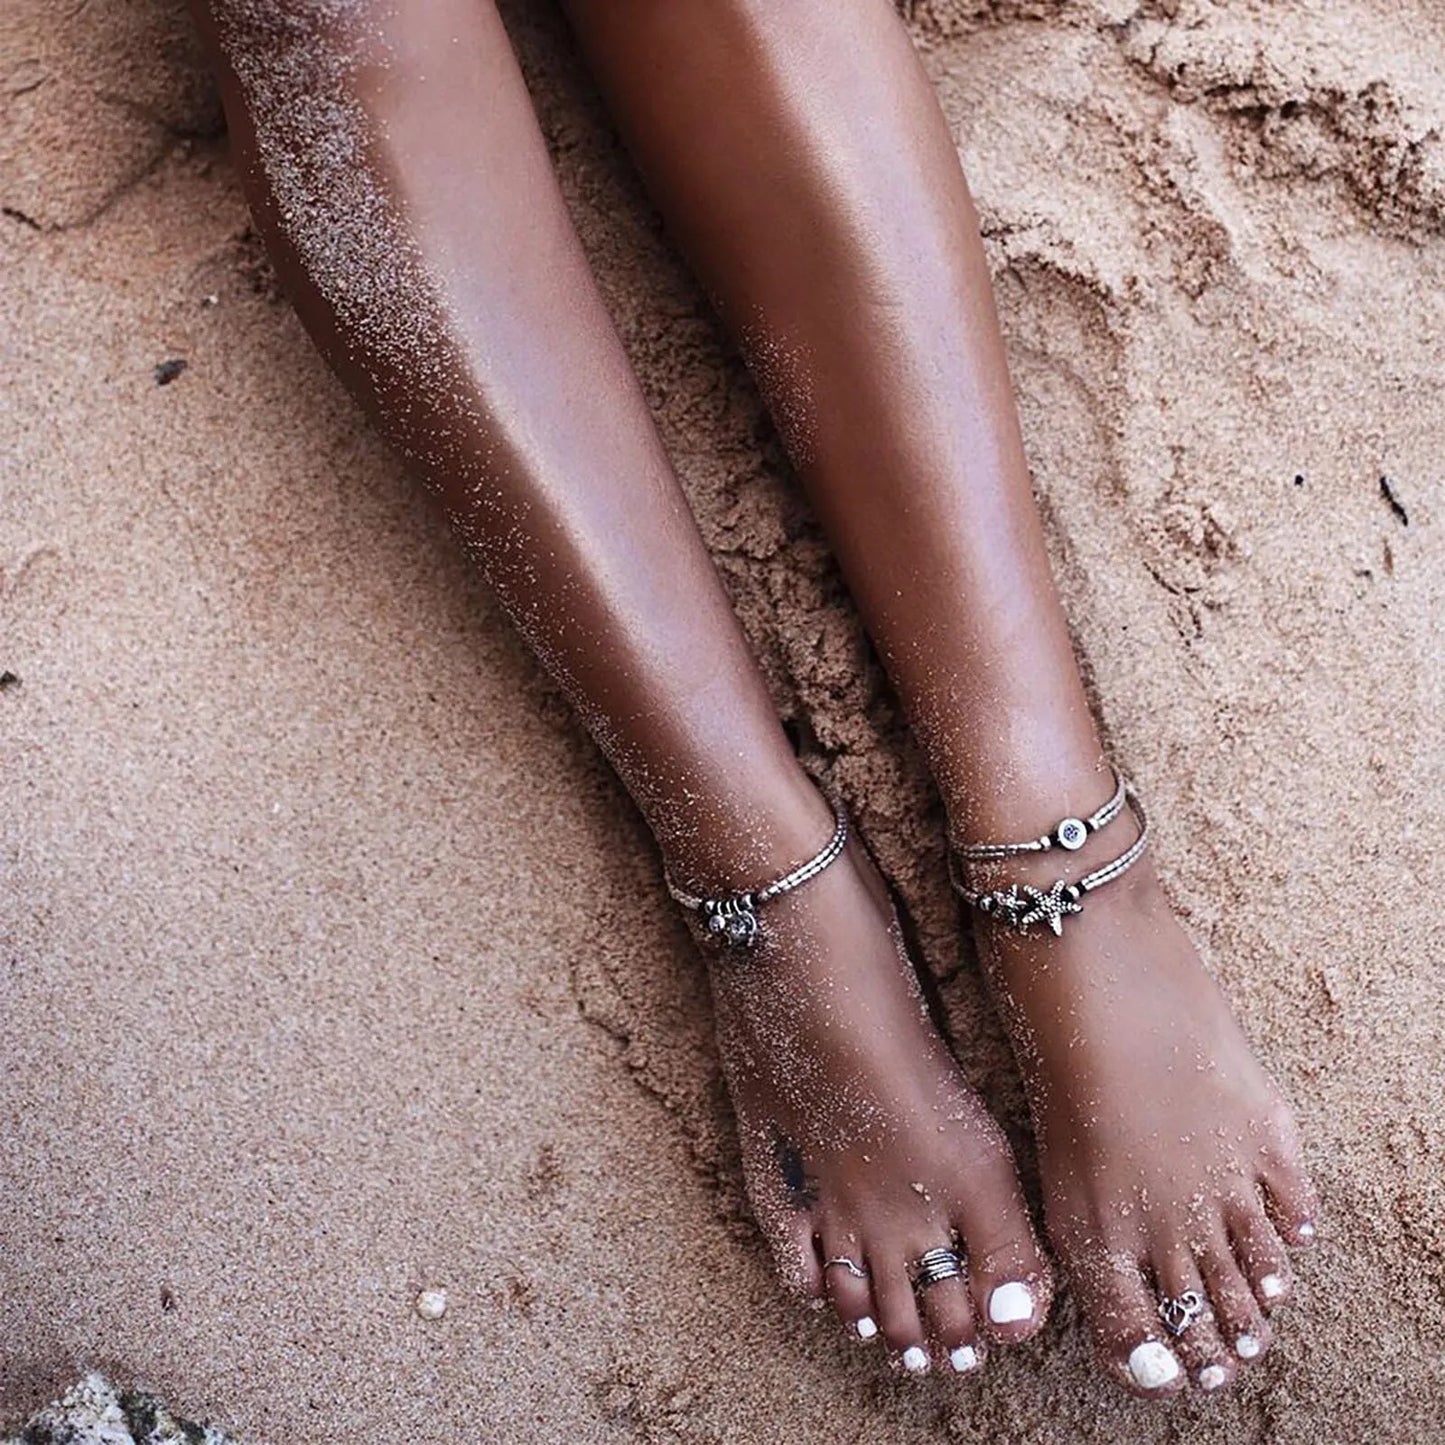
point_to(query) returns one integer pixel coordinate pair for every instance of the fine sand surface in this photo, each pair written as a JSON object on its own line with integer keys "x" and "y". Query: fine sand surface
{"x": 333, "y": 963}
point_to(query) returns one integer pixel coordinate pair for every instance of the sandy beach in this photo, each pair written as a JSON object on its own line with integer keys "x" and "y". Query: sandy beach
{"x": 334, "y": 963}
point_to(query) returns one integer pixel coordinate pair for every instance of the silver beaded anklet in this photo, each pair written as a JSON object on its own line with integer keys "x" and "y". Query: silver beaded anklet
{"x": 1070, "y": 833}
{"x": 733, "y": 918}
{"x": 1021, "y": 906}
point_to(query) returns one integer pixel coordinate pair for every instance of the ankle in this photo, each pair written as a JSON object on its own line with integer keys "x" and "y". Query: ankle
{"x": 1019, "y": 801}
{"x": 737, "y": 839}
{"x": 1040, "y": 887}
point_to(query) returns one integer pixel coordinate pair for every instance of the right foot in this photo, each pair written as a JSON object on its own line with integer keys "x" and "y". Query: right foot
{"x": 860, "y": 1140}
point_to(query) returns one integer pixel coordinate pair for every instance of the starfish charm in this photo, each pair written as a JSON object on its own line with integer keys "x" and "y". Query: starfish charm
{"x": 1050, "y": 907}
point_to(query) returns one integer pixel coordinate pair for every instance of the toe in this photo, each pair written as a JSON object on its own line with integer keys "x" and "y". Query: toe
{"x": 1011, "y": 1282}
{"x": 898, "y": 1316}
{"x": 1237, "y": 1316}
{"x": 1288, "y": 1193}
{"x": 947, "y": 1312}
{"x": 1124, "y": 1321}
{"x": 845, "y": 1276}
{"x": 1013, "y": 1304}
{"x": 795, "y": 1253}
{"x": 1262, "y": 1256}
{"x": 1291, "y": 1201}
{"x": 1207, "y": 1359}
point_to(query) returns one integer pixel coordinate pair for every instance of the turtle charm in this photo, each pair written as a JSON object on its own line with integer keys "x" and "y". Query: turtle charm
{"x": 732, "y": 921}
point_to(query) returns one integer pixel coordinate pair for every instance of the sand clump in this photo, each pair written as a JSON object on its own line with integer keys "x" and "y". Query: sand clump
{"x": 334, "y": 962}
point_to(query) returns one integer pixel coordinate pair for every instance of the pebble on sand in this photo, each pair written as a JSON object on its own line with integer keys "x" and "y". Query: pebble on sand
{"x": 431, "y": 1304}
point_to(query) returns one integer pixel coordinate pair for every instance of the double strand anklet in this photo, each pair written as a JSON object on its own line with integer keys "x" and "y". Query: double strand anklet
{"x": 1069, "y": 833}
{"x": 1021, "y": 906}
{"x": 732, "y": 919}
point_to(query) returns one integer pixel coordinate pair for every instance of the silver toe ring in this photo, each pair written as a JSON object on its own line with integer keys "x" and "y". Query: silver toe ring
{"x": 1179, "y": 1313}
{"x": 858, "y": 1271}
{"x": 936, "y": 1265}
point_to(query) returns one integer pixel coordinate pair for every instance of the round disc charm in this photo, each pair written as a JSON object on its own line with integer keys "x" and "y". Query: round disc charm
{"x": 1071, "y": 834}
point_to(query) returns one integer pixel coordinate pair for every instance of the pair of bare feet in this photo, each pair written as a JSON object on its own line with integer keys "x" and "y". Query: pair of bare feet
{"x": 1169, "y": 1161}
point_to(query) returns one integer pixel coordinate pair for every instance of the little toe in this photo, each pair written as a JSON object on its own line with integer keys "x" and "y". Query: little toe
{"x": 1186, "y": 1312}
{"x": 1237, "y": 1315}
{"x": 845, "y": 1275}
{"x": 1262, "y": 1256}
{"x": 1291, "y": 1202}
{"x": 898, "y": 1316}
{"x": 795, "y": 1255}
{"x": 1124, "y": 1320}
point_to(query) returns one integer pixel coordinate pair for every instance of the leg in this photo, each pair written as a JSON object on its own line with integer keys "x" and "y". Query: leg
{"x": 802, "y": 160}
{"x": 394, "y": 165}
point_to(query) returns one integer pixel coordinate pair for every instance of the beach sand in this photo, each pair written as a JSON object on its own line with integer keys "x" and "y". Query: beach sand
{"x": 334, "y": 964}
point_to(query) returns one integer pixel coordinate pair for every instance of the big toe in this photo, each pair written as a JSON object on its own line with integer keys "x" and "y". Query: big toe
{"x": 1010, "y": 1280}
{"x": 1123, "y": 1318}
{"x": 1186, "y": 1310}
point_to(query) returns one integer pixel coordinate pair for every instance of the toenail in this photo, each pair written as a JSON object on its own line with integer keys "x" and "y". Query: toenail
{"x": 963, "y": 1359}
{"x": 866, "y": 1328}
{"x": 1246, "y": 1347}
{"x": 1272, "y": 1287}
{"x": 1306, "y": 1232}
{"x": 1211, "y": 1377}
{"x": 1153, "y": 1365}
{"x": 915, "y": 1360}
{"x": 1010, "y": 1303}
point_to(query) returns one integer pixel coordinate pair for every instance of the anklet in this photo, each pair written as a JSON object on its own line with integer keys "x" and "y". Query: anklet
{"x": 1070, "y": 833}
{"x": 1020, "y": 906}
{"x": 733, "y": 918}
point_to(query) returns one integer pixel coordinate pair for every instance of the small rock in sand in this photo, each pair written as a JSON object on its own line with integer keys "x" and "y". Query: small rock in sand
{"x": 431, "y": 1304}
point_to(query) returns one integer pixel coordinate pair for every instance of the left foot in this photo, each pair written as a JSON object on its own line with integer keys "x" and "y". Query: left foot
{"x": 1170, "y": 1163}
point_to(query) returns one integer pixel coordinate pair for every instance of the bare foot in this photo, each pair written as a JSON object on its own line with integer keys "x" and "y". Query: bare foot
{"x": 860, "y": 1140}
{"x": 1170, "y": 1163}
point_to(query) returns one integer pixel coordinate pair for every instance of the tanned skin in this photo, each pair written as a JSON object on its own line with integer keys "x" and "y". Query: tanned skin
{"x": 803, "y": 164}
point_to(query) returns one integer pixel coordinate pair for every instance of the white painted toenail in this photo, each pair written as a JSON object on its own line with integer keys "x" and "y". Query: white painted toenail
{"x": 1211, "y": 1377}
{"x": 1306, "y": 1231}
{"x": 963, "y": 1359}
{"x": 1010, "y": 1303}
{"x": 1153, "y": 1365}
{"x": 1246, "y": 1347}
{"x": 915, "y": 1360}
{"x": 1272, "y": 1287}
{"x": 431, "y": 1304}
{"x": 866, "y": 1328}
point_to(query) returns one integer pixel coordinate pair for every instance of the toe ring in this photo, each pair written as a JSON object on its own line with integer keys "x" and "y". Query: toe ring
{"x": 1179, "y": 1312}
{"x": 936, "y": 1265}
{"x": 858, "y": 1271}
